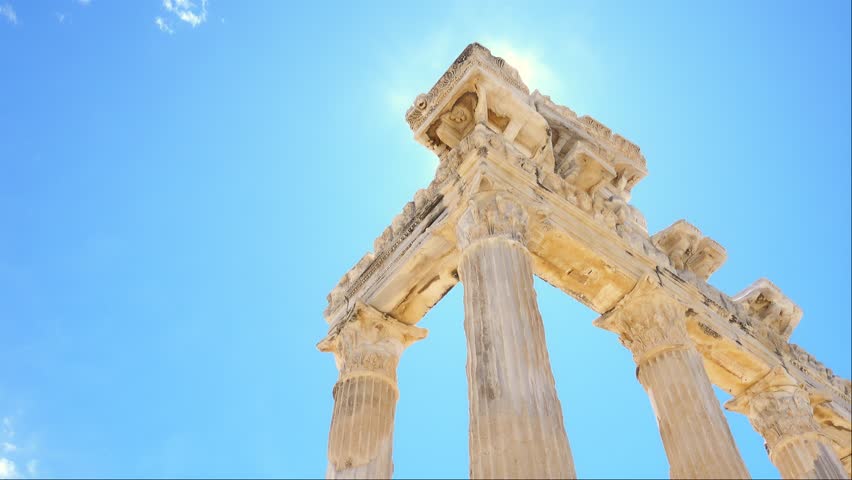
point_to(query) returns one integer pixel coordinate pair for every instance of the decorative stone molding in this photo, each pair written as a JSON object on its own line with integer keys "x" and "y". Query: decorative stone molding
{"x": 475, "y": 55}
{"x": 560, "y": 115}
{"x": 403, "y": 225}
{"x": 455, "y": 124}
{"x": 766, "y": 303}
{"x": 647, "y": 321}
{"x": 689, "y": 250}
{"x": 492, "y": 214}
{"x": 584, "y": 169}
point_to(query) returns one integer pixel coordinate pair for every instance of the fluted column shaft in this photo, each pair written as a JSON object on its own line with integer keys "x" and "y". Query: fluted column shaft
{"x": 693, "y": 427}
{"x": 367, "y": 348}
{"x": 695, "y": 434}
{"x": 516, "y": 426}
{"x": 780, "y": 410}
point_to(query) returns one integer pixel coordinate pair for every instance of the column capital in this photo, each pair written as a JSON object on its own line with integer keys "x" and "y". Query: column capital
{"x": 369, "y": 342}
{"x": 778, "y": 408}
{"x": 647, "y": 320}
{"x": 492, "y": 214}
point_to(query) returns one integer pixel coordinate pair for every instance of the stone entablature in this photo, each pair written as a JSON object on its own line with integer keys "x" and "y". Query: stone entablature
{"x": 574, "y": 177}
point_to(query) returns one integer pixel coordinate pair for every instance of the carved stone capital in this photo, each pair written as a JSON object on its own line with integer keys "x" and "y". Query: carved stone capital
{"x": 647, "y": 321}
{"x": 766, "y": 303}
{"x": 369, "y": 342}
{"x": 492, "y": 214}
{"x": 777, "y": 407}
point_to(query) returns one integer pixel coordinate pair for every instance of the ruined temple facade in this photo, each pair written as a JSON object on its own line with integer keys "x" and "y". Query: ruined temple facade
{"x": 526, "y": 187}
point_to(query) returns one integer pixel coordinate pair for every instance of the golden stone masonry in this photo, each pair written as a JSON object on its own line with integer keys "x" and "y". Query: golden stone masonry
{"x": 526, "y": 187}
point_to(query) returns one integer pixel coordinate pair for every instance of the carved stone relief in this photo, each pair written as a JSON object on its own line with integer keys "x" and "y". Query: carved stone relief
{"x": 765, "y": 303}
{"x": 689, "y": 250}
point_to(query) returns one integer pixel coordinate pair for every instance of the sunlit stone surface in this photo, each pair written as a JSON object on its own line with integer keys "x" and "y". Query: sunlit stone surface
{"x": 527, "y": 187}
{"x": 516, "y": 428}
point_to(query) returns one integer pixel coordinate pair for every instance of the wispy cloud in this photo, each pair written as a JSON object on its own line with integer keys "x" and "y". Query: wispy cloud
{"x": 8, "y": 469}
{"x": 7, "y": 11}
{"x": 185, "y": 11}
{"x": 163, "y": 26}
{"x": 12, "y": 455}
{"x": 60, "y": 17}
{"x": 84, "y": 3}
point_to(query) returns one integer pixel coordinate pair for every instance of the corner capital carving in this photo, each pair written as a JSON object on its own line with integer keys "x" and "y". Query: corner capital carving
{"x": 369, "y": 341}
{"x": 778, "y": 408}
{"x": 492, "y": 214}
{"x": 647, "y": 321}
{"x": 766, "y": 303}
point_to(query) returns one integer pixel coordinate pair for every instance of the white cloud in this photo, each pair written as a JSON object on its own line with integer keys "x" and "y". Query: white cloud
{"x": 84, "y": 3}
{"x": 7, "y": 11}
{"x": 8, "y": 469}
{"x": 187, "y": 11}
{"x": 163, "y": 25}
{"x": 60, "y": 17}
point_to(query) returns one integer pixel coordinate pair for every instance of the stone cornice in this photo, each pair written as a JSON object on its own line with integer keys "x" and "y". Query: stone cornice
{"x": 614, "y": 144}
{"x": 475, "y": 55}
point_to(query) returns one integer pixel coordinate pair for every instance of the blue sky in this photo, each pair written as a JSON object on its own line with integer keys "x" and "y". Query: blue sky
{"x": 178, "y": 196}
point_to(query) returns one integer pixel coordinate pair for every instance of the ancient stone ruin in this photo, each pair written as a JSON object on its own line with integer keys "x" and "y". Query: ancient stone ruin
{"x": 526, "y": 187}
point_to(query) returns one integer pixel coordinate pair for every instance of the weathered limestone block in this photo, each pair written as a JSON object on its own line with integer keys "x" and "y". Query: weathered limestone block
{"x": 614, "y": 151}
{"x": 479, "y": 89}
{"x": 516, "y": 426}
{"x": 836, "y": 427}
{"x": 781, "y": 412}
{"x": 366, "y": 350}
{"x": 692, "y": 425}
{"x": 767, "y": 304}
{"x": 689, "y": 250}
{"x": 584, "y": 168}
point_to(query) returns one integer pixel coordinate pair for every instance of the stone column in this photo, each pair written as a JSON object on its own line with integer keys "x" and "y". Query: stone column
{"x": 366, "y": 348}
{"x": 516, "y": 427}
{"x": 779, "y": 409}
{"x": 695, "y": 434}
